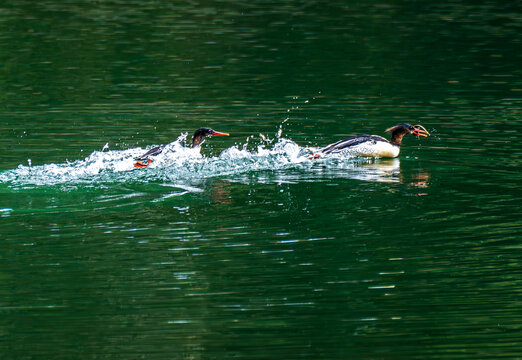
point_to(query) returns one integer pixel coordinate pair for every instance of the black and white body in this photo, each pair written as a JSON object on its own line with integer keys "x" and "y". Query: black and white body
{"x": 374, "y": 145}
{"x": 197, "y": 139}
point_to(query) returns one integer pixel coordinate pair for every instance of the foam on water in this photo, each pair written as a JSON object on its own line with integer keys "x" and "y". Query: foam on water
{"x": 177, "y": 164}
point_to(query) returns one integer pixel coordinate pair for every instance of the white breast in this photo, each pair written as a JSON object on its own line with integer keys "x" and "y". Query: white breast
{"x": 376, "y": 148}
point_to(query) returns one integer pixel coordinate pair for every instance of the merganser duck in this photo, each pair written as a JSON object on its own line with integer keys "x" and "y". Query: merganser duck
{"x": 374, "y": 145}
{"x": 197, "y": 139}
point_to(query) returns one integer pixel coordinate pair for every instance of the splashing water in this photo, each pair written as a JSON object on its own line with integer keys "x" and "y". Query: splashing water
{"x": 176, "y": 163}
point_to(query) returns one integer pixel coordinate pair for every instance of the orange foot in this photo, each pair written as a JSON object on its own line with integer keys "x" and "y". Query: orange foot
{"x": 142, "y": 164}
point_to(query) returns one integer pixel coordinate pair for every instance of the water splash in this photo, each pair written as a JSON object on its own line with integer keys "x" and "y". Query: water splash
{"x": 280, "y": 131}
{"x": 178, "y": 164}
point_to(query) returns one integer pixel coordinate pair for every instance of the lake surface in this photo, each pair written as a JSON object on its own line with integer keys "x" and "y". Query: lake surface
{"x": 249, "y": 249}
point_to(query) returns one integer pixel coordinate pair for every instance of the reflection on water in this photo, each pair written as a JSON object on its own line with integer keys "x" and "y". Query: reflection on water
{"x": 379, "y": 170}
{"x": 421, "y": 179}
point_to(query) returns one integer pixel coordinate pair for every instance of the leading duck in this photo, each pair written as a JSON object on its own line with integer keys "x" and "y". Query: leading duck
{"x": 374, "y": 145}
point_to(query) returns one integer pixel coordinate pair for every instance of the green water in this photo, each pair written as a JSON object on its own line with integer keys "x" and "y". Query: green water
{"x": 250, "y": 250}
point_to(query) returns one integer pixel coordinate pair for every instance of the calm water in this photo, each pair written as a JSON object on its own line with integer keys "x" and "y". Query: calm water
{"x": 249, "y": 250}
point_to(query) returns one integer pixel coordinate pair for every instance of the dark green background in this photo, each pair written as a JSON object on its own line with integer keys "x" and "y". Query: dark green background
{"x": 417, "y": 258}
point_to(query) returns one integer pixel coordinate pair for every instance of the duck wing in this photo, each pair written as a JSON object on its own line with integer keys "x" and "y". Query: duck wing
{"x": 152, "y": 152}
{"x": 350, "y": 142}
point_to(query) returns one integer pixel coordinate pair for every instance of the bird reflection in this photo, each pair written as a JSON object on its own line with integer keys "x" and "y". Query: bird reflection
{"x": 421, "y": 179}
{"x": 382, "y": 170}
{"x": 221, "y": 192}
{"x": 377, "y": 170}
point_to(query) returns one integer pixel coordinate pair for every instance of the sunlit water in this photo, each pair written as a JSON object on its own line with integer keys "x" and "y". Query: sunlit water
{"x": 247, "y": 248}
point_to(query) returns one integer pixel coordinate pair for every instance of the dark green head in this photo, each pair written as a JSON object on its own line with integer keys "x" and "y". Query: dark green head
{"x": 202, "y": 133}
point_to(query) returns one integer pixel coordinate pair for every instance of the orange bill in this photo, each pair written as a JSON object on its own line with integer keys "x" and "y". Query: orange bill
{"x": 420, "y": 131}
{"x": 217, "y": 133}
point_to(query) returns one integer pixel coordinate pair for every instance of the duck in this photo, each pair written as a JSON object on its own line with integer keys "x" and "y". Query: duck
{"x": 374, "y": 145}
{"x": 197, "y": 139}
